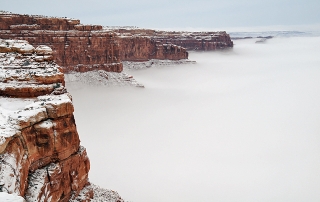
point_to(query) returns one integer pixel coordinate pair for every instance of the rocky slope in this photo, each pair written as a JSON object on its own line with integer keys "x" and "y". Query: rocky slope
{"x": 40, "y": 153}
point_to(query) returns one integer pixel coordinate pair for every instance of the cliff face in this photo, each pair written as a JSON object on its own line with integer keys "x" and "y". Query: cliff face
{"x": 40, "y": 153}
{"x": 75, "y": 47}
{"x": 82, "y": 48}
{"x": 204, "y": 41}
{"x": 143, "y": 48}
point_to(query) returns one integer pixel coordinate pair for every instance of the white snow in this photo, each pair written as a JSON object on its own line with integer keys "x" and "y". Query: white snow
{"x": 46, "y": 124}
{"x": 55, "y": 99}
{"x": 154, "y": 63}
{"x": 22, "y": 45}
{"x": 10, "y": 173}
{"x": 20, "y": 71}
{"x": 102, "y": 78}
{"x": 9, "y": 108}
{"x": 36, "y": 182}
{"x": 42, "y": 49}
{"x": 5, "y": 197}
{"x": 99, "y": 195}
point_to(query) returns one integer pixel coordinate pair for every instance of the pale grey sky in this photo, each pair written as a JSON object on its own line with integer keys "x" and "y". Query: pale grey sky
{"x": 177, "y": 13}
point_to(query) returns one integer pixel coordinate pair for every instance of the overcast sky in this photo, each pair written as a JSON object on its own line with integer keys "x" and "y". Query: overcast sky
{"x": 176, "y": 13}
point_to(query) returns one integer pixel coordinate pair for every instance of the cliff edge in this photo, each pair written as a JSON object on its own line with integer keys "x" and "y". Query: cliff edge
{"x": 40, "y": 153}
{"x": 82, "y": 48}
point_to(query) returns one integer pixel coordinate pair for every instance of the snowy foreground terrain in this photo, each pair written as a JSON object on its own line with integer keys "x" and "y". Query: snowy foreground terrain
{"x": 239, "y": 125}
{"x": 33, "y": 97}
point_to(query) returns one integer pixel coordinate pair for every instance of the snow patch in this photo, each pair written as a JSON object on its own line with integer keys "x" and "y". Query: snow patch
{"x": 127, "y": 65}
{"x": 5, "y": 197}
{"x": 10, "y": 173}
{"x": 102, "y": 77}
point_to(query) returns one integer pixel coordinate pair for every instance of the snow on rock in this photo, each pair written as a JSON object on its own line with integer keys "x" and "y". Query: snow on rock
{"x": 127, "y": 65}
{"x": 103, "y": 78}
{"x": 29, "y": 75}
{"x": 43, "y": 50}
{"x": 106, "y": 195}
{"x": 40, "y": 153}
{"x": 5, "y": 197}
{"x": 99, "y": 195}
{"x": 58, "y": 105}
{"x": 20, "y": 46}
{"x": 12, "y": 168}
{"x": 73, "y": 43}
{"x": 49, "y": 183}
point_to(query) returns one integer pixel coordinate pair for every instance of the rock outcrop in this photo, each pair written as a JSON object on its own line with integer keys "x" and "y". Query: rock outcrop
{"x": 40, "y": 153}
{"x": 143, "y": 48}
{"x": 75, "y": 47}
{"x": 203, "y": 41}
{"x": 82, "y": 48}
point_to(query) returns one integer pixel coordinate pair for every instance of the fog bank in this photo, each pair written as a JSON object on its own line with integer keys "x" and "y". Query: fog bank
{"x": 240, "y": 125}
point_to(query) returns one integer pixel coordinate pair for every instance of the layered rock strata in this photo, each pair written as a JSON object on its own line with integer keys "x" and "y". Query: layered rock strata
{"x": 40, "y": 153}
{"x": 204, "y": 41}
{"x": 143, "y": 48}
{"x": 76, "y": 47}
{"x": 83, "y": 48}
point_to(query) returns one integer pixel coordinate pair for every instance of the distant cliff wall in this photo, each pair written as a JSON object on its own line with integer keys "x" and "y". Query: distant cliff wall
{"x": 143, "y": 48}
{"x": 204, "y": 41}
{"x": 82, "y": 48}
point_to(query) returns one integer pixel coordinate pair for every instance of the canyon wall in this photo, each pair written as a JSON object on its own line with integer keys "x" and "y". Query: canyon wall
{"x": 76, "y": 47}
{"x": 202, "y": 41}
{"x": 143, "y": 48}
{"x": 40, "y": 153}
{"x": 82, "y": 48}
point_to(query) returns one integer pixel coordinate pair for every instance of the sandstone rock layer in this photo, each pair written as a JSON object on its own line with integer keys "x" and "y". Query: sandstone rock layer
{"x": 82, "y": 48}
{"x": 176, "y": 41}
{"x": 40, "y": 153}
{"x": 75, "y": 47}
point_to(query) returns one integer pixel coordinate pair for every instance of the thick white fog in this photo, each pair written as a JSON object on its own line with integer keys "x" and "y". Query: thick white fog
{"x": 239, "y": 126}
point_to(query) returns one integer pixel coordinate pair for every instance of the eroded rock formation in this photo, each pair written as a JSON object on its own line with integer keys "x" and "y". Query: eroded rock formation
{"x": 40, "y": 153}
{"x": 143, "y": 48}
{"x": 82, "y": 48}
{"x": 203, "y": 41}
{"x": 76, "y": 47}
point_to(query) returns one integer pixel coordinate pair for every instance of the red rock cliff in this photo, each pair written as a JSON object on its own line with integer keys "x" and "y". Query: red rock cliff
{"x": 83, "y": 48}
{"x": 204, "y": 41}
{"x": 75, "y": 47}
{"x": 40, "y": 153}
{"x": 143, "y": 48}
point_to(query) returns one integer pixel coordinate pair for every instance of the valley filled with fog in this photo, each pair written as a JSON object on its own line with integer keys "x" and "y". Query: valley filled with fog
{"x": 239, "y": 125}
